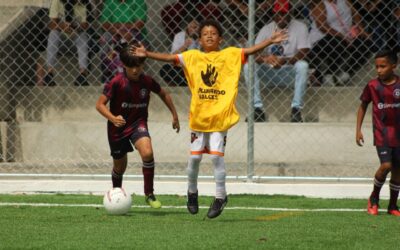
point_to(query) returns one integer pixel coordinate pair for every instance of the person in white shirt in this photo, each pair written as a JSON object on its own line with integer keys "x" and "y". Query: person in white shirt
{"x": 338, "y": 41}
{"x": 283, "y": 64}
{"x": 73, "y": 27}
{"x": 184, "y": 40}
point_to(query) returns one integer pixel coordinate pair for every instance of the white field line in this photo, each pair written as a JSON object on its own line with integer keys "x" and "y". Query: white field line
{"x": 184, "y": 207}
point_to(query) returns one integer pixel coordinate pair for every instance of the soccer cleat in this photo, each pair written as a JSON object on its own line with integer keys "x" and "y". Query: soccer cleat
{"x": 152, "y": 201}
{"x": 394, "y": 211}
{"x": 193, "y": 202}
{"x": 217, "y": 207}
{"x": 373, "y": 206}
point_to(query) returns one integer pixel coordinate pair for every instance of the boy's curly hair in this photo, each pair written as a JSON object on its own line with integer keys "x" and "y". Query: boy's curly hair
{"x": 210, "y": 22}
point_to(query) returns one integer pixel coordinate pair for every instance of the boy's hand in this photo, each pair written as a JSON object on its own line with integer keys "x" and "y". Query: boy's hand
{"x": 118, "y": 121}
{"x": 359, "y": 139}
{"x": 139, "y": 51}
{"x": 175, "y": 125}
{"x": 279, "y": 36}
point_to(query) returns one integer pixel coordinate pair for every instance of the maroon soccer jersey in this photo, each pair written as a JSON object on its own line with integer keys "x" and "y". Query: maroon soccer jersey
{"x": 385, "y": 111}
{"x": 130, "y": 99}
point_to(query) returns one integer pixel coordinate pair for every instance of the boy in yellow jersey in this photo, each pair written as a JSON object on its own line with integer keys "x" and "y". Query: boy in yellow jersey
{"x": 213, "y": 77}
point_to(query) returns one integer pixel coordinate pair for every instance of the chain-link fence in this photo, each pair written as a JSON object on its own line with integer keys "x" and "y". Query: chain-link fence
{"x": 57, "y": 55}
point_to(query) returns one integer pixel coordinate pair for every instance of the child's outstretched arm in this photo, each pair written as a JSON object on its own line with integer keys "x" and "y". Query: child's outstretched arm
{"x": 164, "y": 95}
{"x": 142, "y": 52}
{"x": 360, "y": 118}
{"x": 276, "y": 37}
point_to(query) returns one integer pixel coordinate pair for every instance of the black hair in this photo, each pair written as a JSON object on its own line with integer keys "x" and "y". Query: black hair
{"x": 389, "y": 54}
{"x": 69, "y": 9}
{"x": 126, "y": 56}
{"x": 210, "y": 22}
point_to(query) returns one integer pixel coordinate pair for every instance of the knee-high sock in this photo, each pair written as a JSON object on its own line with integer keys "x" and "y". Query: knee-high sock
{"x": 377, "y": 188}
{"x": 148, "y": 176}
{"x": 219, "y": 175}
{"x": 193, "y": 172}
{"x": 116, "y": 179}
{"x": 394, "y": 193}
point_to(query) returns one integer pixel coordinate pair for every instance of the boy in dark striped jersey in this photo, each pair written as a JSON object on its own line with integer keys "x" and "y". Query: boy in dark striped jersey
{"x": 129, "y": 95}
{"x": 384, "y": 93}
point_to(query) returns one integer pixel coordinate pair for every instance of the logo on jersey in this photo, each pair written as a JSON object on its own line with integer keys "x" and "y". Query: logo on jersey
{"x": 210, "y": 94}
{"x": 143, "y": 93}
{"x": 193, "y": 137}
{"x": 388, "y": 105}
{"x": 133, "y": 105}
{"x": 210, "y": 77}
{"x": 142, "y": 129}
{"x": 396, "y": 93}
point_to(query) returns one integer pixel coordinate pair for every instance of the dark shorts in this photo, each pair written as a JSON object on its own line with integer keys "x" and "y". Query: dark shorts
{"x": 123, "y": 146}
{"x": 389, "y": 154}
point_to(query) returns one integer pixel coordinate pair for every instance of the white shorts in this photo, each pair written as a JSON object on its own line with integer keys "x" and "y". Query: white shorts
{"x": 208, "y": 142}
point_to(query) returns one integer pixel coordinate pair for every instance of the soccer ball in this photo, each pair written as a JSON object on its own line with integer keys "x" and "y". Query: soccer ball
{"x": 117, "y": 202}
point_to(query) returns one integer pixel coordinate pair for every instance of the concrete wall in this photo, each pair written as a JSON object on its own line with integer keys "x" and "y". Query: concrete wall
{"x": 60, "y": 125}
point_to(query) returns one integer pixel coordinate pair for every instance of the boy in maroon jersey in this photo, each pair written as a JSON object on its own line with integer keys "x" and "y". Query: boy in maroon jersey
{"x": 129, "y": 94}
{"x": 384, "y": 93}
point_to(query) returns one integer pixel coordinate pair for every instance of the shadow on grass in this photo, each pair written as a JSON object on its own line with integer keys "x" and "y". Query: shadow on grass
{"x": 157, "y": 212}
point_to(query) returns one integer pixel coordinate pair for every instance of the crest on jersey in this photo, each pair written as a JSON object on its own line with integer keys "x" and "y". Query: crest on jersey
{"x": 143, "y": 93}
{"x": 396, "y": 93}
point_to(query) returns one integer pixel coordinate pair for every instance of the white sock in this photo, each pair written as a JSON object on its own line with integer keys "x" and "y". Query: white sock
{"x": 193, "y": 172}
{"x": 219, "y": 176}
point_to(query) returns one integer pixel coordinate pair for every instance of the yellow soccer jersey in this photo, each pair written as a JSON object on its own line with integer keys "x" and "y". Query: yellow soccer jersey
{"x": 213, "y": 81}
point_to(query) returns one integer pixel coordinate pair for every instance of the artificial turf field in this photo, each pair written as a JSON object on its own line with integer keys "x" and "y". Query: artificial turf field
{"x": 248, "y": 222}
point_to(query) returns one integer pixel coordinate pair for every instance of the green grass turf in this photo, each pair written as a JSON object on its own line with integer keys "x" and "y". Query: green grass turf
{"x": 145, "y": 228}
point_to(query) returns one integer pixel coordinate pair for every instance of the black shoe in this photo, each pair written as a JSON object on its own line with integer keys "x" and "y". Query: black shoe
{"x": 193, "y": 202}
{"x": 259, "y": 115}
{"x": 296, "y": 115}
{"x": 217, "y": 207}
{"x": 81, "y": 80}
{"x": 49, "y": 80}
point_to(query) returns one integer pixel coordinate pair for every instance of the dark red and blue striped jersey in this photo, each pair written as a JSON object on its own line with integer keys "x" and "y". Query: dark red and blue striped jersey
{"x": 131, "y": 100}
{"x": 385, "y": 111}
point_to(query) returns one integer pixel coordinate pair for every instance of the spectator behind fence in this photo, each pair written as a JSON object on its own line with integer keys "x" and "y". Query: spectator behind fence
{"x": 185, "y": 40}
{"x": 122, "y": 22}
{"x": 282, "y": 64}
{"x": 174, "y": 15}
{"x": 376, "y": 17}
{"x": 68, "y": 19}
{"x": 338, "y": 41}
{"x": 396, "y": 14}
{"x": 236, "y": 18}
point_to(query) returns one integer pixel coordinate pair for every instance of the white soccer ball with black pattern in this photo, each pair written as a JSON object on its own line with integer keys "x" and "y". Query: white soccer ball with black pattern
{"x": 117, "y": 201}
